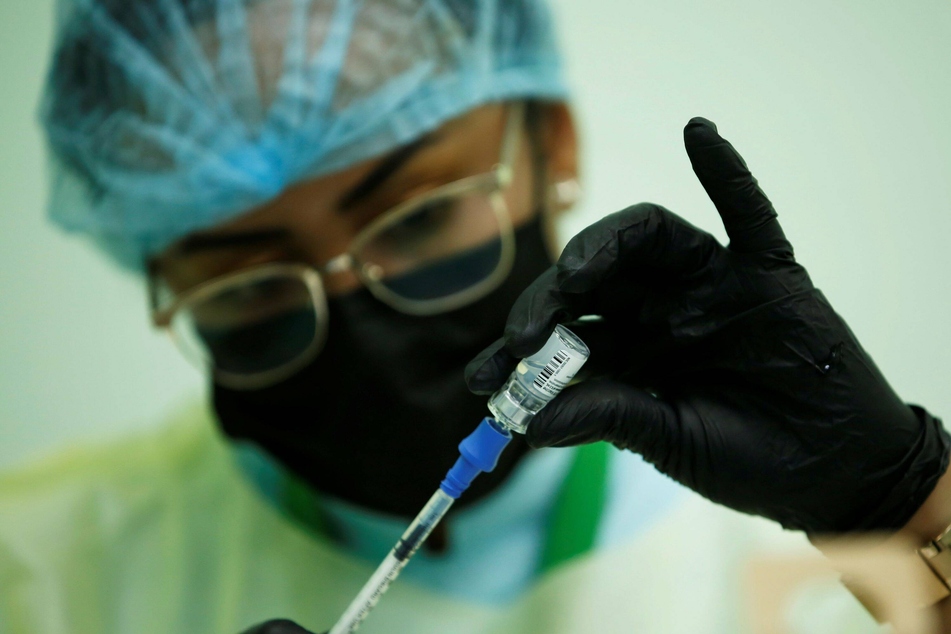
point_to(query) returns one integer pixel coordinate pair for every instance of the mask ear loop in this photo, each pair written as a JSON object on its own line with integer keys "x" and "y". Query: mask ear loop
{"x": 534, "y": 116}
{"x": 550, "y": 199}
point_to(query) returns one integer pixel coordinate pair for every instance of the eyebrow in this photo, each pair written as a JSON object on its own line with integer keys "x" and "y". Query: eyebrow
{"x": 359, "y": 192}
{"x": 389, "y": 166}
{"x": 207, "y": 241}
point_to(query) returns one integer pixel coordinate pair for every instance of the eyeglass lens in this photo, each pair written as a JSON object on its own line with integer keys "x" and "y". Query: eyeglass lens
{"x": 251, "y": 327}
{"x": 445, "y": 246}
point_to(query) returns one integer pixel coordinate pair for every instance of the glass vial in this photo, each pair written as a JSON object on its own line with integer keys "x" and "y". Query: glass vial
{"x": 538, "y": 379}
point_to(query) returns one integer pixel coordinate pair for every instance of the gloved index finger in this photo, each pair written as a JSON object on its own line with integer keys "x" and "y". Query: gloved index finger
{"x": 748, "y": 215}
{"x": 640, "y": 242}
{"x": 524, "y": 329}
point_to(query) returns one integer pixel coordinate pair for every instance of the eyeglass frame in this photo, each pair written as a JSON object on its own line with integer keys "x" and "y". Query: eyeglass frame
{"x": 492, "y": 184}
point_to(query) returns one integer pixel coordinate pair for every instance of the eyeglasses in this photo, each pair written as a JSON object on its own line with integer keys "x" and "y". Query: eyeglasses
{"x": 432, "y": 254}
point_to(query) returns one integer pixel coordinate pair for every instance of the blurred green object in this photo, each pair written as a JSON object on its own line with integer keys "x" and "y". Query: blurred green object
{"x": 579, "y": 507}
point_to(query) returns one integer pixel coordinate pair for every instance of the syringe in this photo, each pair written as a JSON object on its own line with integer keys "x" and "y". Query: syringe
{"x": 536, "y": 381}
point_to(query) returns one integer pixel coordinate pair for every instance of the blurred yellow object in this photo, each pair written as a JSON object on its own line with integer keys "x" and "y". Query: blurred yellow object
{"x": 161, "y": 533}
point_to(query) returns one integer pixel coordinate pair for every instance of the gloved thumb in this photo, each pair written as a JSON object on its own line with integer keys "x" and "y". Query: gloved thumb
{"x": 490, "y": 368}
{"x": 604, "y": 409}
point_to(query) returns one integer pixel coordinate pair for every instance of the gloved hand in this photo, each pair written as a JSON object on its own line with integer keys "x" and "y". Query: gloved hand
{"x": 724, "y": 366}
{"x": 278, "y": 626}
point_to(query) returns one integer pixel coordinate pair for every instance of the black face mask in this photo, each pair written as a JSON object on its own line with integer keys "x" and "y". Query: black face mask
{"x": 376, "y": 418}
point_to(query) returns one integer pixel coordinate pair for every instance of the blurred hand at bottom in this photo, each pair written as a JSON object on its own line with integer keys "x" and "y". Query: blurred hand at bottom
{"x": 278, "y": 626}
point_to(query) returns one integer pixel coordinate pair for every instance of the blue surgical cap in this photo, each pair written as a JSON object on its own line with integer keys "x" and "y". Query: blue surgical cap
{"x": 168, "y": 116}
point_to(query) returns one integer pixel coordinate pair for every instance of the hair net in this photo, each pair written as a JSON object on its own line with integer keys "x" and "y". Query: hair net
{"x": 168, "y": 116}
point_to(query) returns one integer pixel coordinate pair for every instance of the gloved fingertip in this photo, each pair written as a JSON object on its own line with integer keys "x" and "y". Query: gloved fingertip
{"x": 278, "y": 626}
{"x": 702, "y": 122}
{"x": 489, "y": 369}
{"x": 701, "y": 131}
{"x": 483, "y": 386}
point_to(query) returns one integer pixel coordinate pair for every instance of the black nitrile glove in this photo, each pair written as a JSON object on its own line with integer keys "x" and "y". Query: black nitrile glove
{"x": 278, "y": 626}
{"x": 724, "y": 366}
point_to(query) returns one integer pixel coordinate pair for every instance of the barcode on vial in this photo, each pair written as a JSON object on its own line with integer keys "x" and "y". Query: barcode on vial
{"x": 549, "y": 370}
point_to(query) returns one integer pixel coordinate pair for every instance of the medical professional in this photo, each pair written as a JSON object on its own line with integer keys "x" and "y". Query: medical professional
{"x": 334, "y": 206}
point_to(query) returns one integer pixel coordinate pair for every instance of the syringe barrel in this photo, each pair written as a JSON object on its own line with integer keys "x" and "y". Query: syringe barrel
{"x": 538, "y": 379}
{"x": 393, "y": 563}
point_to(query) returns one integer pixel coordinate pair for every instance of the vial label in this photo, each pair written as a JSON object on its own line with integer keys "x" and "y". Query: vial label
{"x": 558, "y": 372}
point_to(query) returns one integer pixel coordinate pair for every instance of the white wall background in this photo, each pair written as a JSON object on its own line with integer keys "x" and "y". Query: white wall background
{"x": 842, "y": 110}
